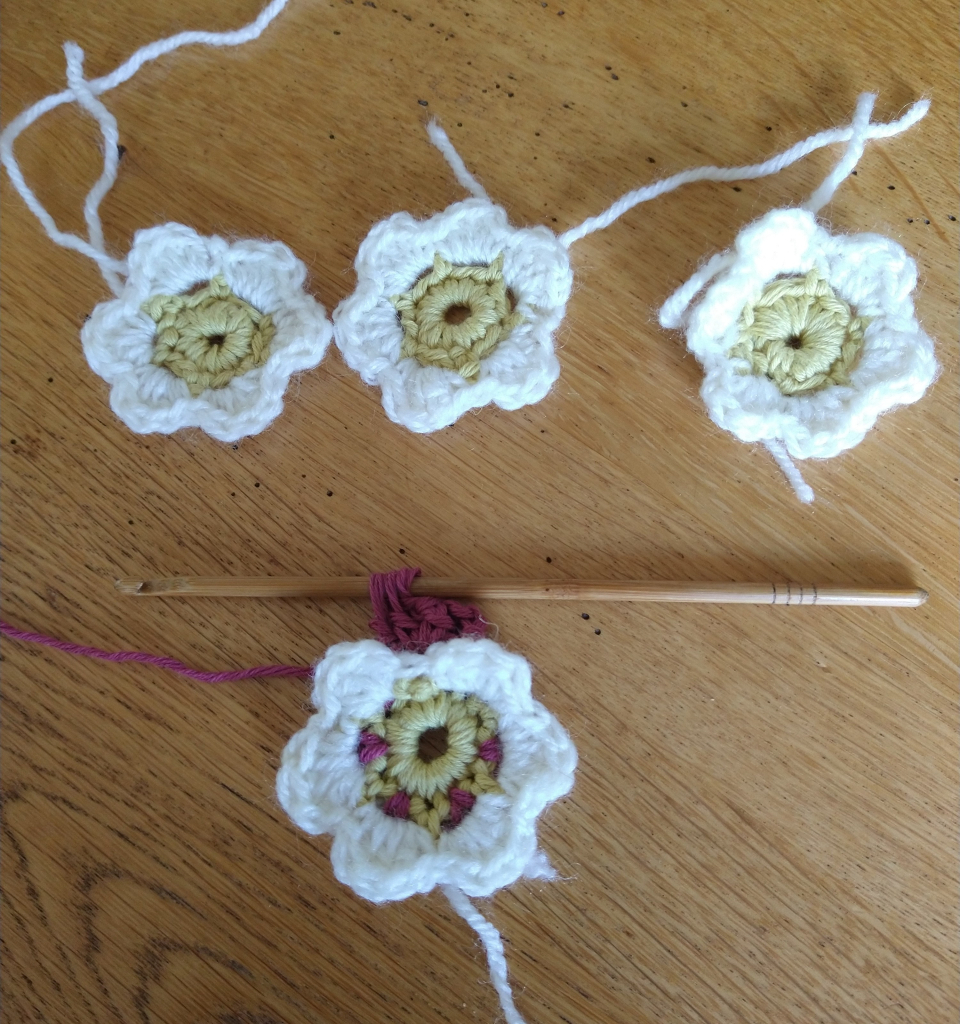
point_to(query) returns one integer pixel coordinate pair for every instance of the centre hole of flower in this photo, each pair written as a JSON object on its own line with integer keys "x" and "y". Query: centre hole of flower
{"x": 217, "y": 339}
{"x": 433, "y": 743}
{"x": 794, "y": 341}
{"x": 457, "y": 314}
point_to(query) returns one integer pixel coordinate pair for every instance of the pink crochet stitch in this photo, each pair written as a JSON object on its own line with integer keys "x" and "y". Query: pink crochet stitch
{"x": 407, "y": 623}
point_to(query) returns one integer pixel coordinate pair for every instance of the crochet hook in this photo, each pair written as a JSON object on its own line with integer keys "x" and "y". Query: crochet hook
{"x": 525, "y": 589}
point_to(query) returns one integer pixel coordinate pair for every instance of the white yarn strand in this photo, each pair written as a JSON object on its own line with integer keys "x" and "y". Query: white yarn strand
{"x": 84, "y": 93}
{"x": 442, "y": 141}
{"x": 111, "y": 157}
{"x": 801, "y": 488}
{"x": 62, "y": 238}
{"x": 850, "y": 158}
{"x": 762, "y": 170}
{"x": 672, "y": 311}
{"x": 493, "y": 944}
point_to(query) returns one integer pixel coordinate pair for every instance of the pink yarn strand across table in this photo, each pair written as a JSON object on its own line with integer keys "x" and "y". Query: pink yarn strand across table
{"x": 402, "y": 622}
{"x": 258, "y": 672}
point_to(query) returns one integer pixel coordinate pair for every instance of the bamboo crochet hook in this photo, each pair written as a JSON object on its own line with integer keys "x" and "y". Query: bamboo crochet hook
{"x": 523, "y": 589}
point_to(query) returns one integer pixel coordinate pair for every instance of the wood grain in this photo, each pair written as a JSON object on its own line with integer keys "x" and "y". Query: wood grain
{"x": 764, "y": 826}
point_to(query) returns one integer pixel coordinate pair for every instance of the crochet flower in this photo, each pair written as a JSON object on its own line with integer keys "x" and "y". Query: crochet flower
{"x": 806, "y": 337}
{"x": 454, "y": 312}
{"x": 205, "y": 333}
{"x": 427, "y": 769}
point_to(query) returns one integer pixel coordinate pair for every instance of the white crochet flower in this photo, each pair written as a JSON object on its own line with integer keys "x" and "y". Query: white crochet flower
{"x": 118, "y": 338}
{"x": 519, "y": 371}
{"x": 873, "y": 274}
{"x": 321, "y": 779}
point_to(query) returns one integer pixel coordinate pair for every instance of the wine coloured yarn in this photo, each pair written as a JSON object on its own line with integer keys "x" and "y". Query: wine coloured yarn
{"x": 405, "y": 622}
{"x": 428, "y": 760}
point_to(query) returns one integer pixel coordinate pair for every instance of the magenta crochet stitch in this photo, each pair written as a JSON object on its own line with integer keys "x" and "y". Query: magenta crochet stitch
{"x": 398, "y": 805}
{"x": 490, "y": 749}
{"x": 371, "y": 747}
{"x": 407, "y": 623}
{"x": 460, "y": 802}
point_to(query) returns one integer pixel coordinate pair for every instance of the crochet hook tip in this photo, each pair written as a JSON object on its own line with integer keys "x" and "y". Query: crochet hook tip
{"x": 149, "y": 588}
{"x": 128, "y": 586}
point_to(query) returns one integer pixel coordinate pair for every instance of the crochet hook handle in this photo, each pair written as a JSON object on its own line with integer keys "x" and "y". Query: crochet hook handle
{"x": 544, "y": 590}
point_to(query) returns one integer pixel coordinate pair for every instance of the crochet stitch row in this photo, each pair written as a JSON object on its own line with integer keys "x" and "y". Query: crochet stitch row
{"x": 208, "y": 336}
{"x": 800, "y": 334}
{"x": 455, "y": 315}
{"x": 429, "y": 755}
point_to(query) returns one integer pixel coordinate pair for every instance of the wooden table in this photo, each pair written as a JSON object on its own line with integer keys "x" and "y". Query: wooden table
{"x": 764, "y": 826}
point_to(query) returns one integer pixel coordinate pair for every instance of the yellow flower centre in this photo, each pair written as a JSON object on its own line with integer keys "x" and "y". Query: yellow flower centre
{"x": 209, "y": 336}
{"x": 800, "y": 334}
{"x": 433, "y": 742}
{"x": 455, "y": 316}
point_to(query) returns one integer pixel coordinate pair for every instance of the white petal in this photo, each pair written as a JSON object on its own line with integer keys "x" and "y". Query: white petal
{"x": 167, "y": 260}
{"x": 522, "y": 368}
{"x": 265, "y": 274}
{"x": 117, "y": 340}
{"x": 383, "y": 858}
{"x": 781, "y": 242}
{"x": 320, "y": 780}
{"x": 875, "y": 275}
{"x": 354, "y": 680}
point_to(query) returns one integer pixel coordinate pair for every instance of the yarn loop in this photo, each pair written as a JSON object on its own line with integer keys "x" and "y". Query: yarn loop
{"x": 407, "y": 623}
{"x": 800, "y": 334}
{"x": 210, "y": 336}
{"x": 454, "y": 316}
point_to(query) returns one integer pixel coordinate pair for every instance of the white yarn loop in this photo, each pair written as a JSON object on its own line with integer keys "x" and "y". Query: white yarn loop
{"x": 111, "y": 156}
{"x": 768, "y": 167}
{"x": 672, "y": 311}
{"x": 493, "y": 944}
{"x": 62, "y": 238}
{"x": 801, "y": 488}
{"x": 851, "y": 157}
{"x": 84, "y": 93}
{"x": 442, "y": 141}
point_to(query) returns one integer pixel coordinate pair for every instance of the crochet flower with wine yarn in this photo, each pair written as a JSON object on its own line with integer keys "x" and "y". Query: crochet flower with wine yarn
{"x": 429, "y": 754}
{"x": 427, "y": 769}
{"x": 455, "y": 312}
{"x": 205, "y": 333}
{"x": 806, "y": 337}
